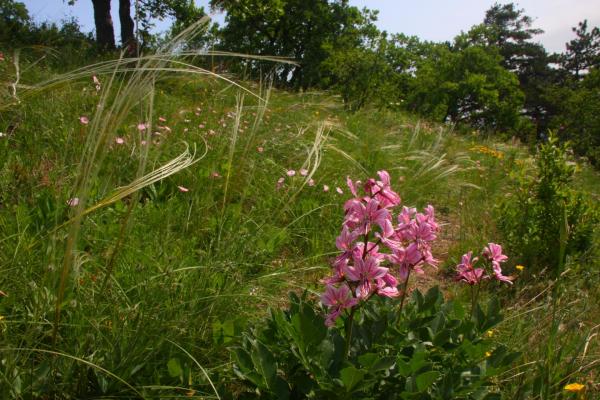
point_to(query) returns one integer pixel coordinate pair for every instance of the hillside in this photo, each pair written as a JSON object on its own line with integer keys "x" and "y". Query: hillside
{"x": 148, "y": 215}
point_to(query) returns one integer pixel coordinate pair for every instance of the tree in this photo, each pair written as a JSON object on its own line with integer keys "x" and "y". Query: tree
{"x": 583, "y": 52}
{"x": 105, "y": 33}
{"x": 510, "y": 30}
{"x": 301, "y": 30}
{"x": 467, "y": 86}
{"x": 127, "y": 26}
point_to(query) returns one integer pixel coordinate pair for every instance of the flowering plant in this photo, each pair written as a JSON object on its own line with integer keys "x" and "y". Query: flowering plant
{"x": 431, "y": 349}
{"x": 377, "y": 247}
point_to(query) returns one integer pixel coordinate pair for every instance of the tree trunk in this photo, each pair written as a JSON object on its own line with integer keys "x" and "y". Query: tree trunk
{"x": 105, "y": 33}
{"x": 127, "y": 36}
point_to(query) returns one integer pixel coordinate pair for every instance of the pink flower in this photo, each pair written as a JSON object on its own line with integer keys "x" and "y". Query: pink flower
{"x": 201, "y": 126}
{"x": 183, "y": 189}
{"x": 162, "y": 119}
{"x": 466, "y": 271}
{"x": 325, "y": 188}
{"x": 498, "y": 273}
{"x": 143, "y": 143}
{"x": 280, "y": 182}
{"x": 362, "y": 217}
{"x": 141, "y": 127}
{"x": 382, "y": 191}
{"x": 119, "y": 140}
{"x": 73, "y": 202}
{"x": 408, "y": 259}
{"x": 365, "y": 272}
{"x": 339, "y": 190}
{"x": 96, "y": 82}
{"x": 84, "y": 120}
{"x": 215, "y": 174}
{"x": 260, "y": 149}
{"x": 493, "y": 252}
{"x": 311, "y": 182}
{"x": 303, "y": 172}
{"x": 337, "y": 300}
{"x": 291, "y": 172}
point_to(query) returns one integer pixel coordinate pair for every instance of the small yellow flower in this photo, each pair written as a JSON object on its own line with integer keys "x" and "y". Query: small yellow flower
{"x": 490, "y": 333}
{"x": 574, "y": 387}
{"x": 488, "y": 354}
{"x": 520, "y": 267}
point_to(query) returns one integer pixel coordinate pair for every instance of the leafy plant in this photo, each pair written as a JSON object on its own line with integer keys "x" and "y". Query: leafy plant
{"x": 544, "y": 219}
{"x": 433, "y": 350}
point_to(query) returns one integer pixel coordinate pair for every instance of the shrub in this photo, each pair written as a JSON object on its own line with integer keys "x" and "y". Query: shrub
{"x": 545, "y": 219}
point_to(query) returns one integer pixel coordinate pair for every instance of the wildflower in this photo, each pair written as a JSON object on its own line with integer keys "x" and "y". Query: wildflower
{"x": 488, "y": 354}
{"x": 574, "y": 387}
{"x": 520, "y": 268}
{"x": 311, "y": 182}
{"x": 467, "y": 273}
{"x": 291, "y": 172}
{"x": 260, "y": 149}
{"x": 325, "y": 188}
{"x": 337, "y": 300}
{"x": 141, "y": 127}
{"x": 84, "y": 120}
{"x": 215, "y": 174}
{"x": 365, "y": 271}
{"x": 303, "y": 172}
{"x": 339, "y": 190}
{"x": 119, "y": 140}
{"x": 280, "y": 182}
{"x": 490, "y": 333}
{"x": 162, "y": 119}
{"x": 73, "y": 202}
{"x": 201, "y": 126}
{"x": 143, "y": 143}
{"x": 493, "y": 252}
{"x": 96, "y": 82}
{"x": 183, "y": 189}
{"x": 382, "y": 191}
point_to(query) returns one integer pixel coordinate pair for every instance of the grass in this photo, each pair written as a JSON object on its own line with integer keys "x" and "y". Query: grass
{"x": 138, "y": 291}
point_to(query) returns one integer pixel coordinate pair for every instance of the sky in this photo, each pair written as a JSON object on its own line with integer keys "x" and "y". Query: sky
{"x": 435, "y": 20}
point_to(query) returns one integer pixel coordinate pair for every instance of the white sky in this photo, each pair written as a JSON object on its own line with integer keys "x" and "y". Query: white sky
{"x": 436, "y": 20}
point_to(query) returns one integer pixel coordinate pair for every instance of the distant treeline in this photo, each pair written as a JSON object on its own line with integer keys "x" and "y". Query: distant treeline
{"x": 496, "y": 77}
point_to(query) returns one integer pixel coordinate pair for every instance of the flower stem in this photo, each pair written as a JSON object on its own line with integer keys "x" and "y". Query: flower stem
{"x": 349, "y": 324}
{"x": 404, "y": 290}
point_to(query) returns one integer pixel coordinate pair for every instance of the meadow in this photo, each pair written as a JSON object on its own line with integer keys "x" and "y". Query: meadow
{"x": 152, "y": 213}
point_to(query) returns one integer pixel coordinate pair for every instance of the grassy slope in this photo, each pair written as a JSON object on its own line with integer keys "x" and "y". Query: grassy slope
{"x": 165, "y": 270}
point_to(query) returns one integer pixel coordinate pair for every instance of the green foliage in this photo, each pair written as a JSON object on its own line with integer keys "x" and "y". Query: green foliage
{"x": 578, "y": 115}
{"x": 434, "y": 350}
{"x": 296, "y": 29}
{"x": 468, "y": 86}
{"x": 583, "y": 52}
{"x": 544, "y": 219}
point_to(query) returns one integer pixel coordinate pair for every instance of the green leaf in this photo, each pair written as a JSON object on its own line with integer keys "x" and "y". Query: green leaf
{"x": 174, "y": 368}
{"x": 351, "y": 377}
{"x": 426, "y": 379}
{"x": 374, "y": 362}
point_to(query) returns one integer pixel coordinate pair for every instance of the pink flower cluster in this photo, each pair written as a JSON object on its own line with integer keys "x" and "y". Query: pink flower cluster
{"x": 377, "y": 247}
{"x": 468, "y": 273}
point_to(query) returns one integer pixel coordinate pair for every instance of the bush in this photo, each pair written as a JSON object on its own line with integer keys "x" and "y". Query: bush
{"x": 544, "y": 219}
